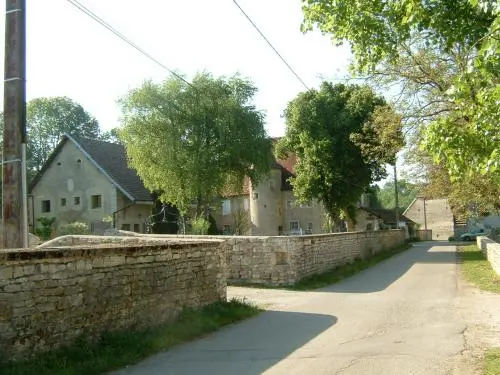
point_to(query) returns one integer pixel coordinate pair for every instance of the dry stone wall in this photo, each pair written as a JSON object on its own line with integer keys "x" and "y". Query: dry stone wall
{"x": 491, "y": 251}
{"x": 50, "y": 296}
{"x": 284, "y": 260}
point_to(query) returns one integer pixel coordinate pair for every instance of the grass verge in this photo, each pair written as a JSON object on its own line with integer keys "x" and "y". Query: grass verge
{"x": 119, "y": 349}
{"x": 492, "y": 362}
{"x": 334, "y": 275}
{"x": 477, "y": 269}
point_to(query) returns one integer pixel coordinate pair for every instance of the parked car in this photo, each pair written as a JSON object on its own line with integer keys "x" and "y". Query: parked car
{"x": 472, "y": 235}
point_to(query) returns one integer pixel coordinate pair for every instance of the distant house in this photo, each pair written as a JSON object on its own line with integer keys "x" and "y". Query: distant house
{"x": 432, "y": 214}
{"x": 89, "y": 181}
{"x": 368, "y": 218}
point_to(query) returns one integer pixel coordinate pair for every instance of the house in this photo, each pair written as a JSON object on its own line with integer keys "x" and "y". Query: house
{"x": 270, "y": 208}
{"x": 432, "y": 214}
{"x": 89, "y": 181}
{"x": 368, "y": 218}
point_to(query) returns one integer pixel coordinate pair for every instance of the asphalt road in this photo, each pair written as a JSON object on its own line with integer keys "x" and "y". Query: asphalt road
{"x": 399, "y": 317}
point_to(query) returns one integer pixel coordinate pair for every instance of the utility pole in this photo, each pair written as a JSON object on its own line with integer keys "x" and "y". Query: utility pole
{"x": 14, "y": 192}
{"x": 396, "y": 197}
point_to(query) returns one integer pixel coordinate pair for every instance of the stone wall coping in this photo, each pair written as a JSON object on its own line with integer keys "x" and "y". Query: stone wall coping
{"x": 104, "y": 249}
{"x": 226, "y": 237}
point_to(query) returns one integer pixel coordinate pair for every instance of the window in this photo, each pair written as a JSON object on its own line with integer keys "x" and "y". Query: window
{"x": 289, "y": 203}
{"x": 76, "y": 201}
{"x": 226, "y": 207}
{"x": 95, "y": 201}
{"x": 63, "y": 202}
{"x": 255, "y": 196}
{"x": 126, "y": 227}
{"x": 137, "y": 228}
{"x": 46, "y": 206}
{"x": 294, "y": 225}
{"x": 245, "y": 204}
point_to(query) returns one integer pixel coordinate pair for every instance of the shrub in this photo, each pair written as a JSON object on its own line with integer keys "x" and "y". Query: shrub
{"x": 44, "y": 231}
{"x": 76, "y": 227}
{"x": 451, "y": 238}
{"x": 200, "y": 225}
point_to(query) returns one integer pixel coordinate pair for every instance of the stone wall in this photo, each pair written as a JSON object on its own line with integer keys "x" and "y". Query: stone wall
{"x": 50, "y": 296}
{"x": 491, "y": 251}
{"x": 284, "y": 260}
{"x": 289, "y": 259}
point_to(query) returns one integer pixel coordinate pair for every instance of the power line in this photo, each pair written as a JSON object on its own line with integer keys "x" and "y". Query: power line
{"x": 270, "y": 45}
{"x": 99, "y": 20}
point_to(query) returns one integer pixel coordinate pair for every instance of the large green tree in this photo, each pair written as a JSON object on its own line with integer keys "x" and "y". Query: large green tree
{"x": 47, "y": 119}
{"x": 445, "y": 53}
{"x": 192, "y": 141}
{"x": 330, "y": 166}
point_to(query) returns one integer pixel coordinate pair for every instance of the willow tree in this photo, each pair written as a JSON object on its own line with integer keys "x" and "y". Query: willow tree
{"x": 191, "y": 141}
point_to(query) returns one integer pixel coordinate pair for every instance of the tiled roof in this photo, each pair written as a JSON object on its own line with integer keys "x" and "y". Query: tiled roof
{"x": 112, "y": 158}
{"x": 387, "y": 215}
{"x": 109, "y": 158}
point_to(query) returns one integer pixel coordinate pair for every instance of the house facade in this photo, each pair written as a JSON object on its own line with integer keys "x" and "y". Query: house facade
{"x": 432, "y": 214}
{"x": 89, "y": 181}
{"x": 270, "y": 208}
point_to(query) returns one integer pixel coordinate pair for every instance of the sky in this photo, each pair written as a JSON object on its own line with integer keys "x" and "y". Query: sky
{"x": 69, "y": 54}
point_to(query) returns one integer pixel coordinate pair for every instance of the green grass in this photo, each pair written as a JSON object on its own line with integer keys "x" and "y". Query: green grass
{"x": 119, "y": 349}
{"x": 477, "y": 269}
{"x": 334, "y": 275}
{"x": 492, "y": 362}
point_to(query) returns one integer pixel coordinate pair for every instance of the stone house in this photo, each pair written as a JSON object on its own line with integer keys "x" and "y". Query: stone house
{"x": 432, "y": 214}
{"x": 270, "y": 208}
{"x": 368, "y": 219}
{"x": 89, "y": 181}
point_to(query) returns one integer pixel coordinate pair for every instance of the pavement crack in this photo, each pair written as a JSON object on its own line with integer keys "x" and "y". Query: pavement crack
{"x": 349, "y": 365}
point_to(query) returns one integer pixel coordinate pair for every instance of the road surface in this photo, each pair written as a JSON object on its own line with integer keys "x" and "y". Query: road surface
{"x": 406, "y": 315}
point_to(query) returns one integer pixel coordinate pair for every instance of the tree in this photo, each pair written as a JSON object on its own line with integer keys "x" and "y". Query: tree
{"x": 445, "y": 53}
{"x": 330, "y": 166}
{"x": 47, "y": 120}
{"x": 190, "y": 141}
{"x": 407, "y": 192}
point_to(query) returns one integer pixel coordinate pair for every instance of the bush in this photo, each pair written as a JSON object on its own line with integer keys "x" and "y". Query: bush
{"x": 200, "y": 225}
{"x": 451, "y": 238}
{"x": 44, "y": 231}
{"x": 76, "y": 227}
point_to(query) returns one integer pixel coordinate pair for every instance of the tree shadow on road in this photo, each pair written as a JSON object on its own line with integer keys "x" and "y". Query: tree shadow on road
{"x": 247, "y": 348}
{"x": 382, "y": 275}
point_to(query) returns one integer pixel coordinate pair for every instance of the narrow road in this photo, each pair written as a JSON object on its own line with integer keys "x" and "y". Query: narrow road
{"x": 403, "y": 316}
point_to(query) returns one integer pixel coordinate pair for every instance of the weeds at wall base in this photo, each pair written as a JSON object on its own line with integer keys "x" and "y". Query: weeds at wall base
{"x": 119, "y": 349}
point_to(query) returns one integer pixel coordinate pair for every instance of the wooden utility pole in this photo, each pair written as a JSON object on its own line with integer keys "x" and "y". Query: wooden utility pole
{"x": 14, "y": 135}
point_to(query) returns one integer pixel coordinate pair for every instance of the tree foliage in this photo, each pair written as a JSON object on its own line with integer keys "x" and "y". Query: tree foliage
{"x": 444, "y": 54}
{"x": 330, "y": 166}
{"x": 47, "y": 119}
{"x": 407, "y": 192}
{"x": 190, "y": 141}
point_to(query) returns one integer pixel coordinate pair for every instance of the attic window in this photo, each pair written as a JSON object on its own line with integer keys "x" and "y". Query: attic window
{"x": 79, "y": 161}
{"x": 58, "y": 163}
